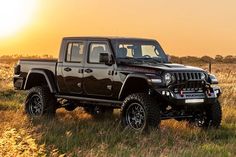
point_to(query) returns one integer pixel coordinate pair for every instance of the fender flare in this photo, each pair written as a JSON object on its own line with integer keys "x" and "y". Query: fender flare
{"x": 48, "y": 75}
{"x": 140, "y": 76}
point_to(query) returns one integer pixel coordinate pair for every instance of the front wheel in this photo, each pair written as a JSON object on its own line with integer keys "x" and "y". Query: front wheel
{"x": 139, "y": 112}
{"x": 40, "y": 102}
{"x": 210, "y": 117}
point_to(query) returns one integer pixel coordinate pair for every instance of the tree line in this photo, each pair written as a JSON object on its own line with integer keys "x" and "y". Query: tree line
{"x": 203, "y": 59}
{"x": 174, "y": 59}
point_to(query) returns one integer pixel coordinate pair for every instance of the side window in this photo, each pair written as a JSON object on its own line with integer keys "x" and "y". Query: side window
{"x": 75, "y": 52}
{"x": 95, "y": 50}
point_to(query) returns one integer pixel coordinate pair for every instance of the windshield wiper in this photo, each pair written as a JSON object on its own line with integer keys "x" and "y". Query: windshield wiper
{"x": 140, "y": 60}
{"x": 130, "y": 59}
{"x": 154, "y": 60}
{"x": 159, "y": 60}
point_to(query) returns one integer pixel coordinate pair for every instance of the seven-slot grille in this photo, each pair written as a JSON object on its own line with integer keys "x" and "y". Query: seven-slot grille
{"x": 185, "y": 76}
{"x": 194, "y": 84}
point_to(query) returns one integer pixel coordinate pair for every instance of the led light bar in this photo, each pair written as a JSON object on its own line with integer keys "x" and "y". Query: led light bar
{"x": 191, "y": 101}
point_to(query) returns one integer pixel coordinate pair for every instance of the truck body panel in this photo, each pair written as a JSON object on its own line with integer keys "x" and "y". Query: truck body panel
{"x": 79, "y": 72}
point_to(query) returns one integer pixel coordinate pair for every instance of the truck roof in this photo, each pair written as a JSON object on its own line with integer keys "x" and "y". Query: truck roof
{"x": 104, "y": 38}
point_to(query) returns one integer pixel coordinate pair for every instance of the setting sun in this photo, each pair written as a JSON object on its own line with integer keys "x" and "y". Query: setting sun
{"x": 15, "y": 14}
{"x": 183, "y": 27}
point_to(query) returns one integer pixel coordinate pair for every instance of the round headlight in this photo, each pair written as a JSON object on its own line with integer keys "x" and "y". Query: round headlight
{"x": 167, "y": 78}
{"x": 203, "y": 76}
{"x": 213, "y": 79}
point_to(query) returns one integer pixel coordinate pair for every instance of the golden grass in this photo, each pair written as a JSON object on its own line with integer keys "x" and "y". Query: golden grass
{"x": 77, "y": 134}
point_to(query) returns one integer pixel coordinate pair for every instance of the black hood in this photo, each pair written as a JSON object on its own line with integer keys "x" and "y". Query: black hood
{"x": 161, "y": 67}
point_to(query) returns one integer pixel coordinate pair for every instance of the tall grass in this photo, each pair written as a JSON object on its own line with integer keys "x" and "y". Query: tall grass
{"x": 77, "y": 134}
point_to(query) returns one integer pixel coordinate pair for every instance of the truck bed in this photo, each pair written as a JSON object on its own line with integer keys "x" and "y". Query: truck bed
{"x": 25, "y": 65}
{"x": 28, "y": 64}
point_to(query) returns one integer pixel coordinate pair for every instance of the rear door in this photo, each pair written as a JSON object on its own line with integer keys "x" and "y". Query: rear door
{"x": 98, "y": 77}
{"x": 72, "y": 67}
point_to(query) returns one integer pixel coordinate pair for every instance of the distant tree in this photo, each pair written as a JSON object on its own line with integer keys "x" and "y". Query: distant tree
{"x": 193, "y": 59}
{"x": 175, "y": 59}
{"x": 219, "y": 58}
{"x": 206, "y": 59}
{"x": 230, "y": 59}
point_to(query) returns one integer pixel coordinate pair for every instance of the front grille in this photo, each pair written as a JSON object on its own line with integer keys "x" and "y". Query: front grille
{"x": 185, "y": 76}
{"x": 188, "y": 81}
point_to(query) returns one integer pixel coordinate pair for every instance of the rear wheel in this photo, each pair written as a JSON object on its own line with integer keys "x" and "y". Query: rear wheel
{"x": 139, "y": 112}
{"x": 210, "y": 117}
{"x": 40, "y": 102}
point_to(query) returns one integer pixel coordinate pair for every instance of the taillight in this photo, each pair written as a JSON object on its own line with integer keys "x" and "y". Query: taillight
{"x": 17, "y": 69}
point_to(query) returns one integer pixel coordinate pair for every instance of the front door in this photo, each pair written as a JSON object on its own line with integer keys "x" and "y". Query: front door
{"x": 98, "y": 77}
{"x": 72, "y": 67}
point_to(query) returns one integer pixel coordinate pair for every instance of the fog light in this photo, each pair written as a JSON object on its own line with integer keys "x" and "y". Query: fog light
{"x": 163, "y": 93}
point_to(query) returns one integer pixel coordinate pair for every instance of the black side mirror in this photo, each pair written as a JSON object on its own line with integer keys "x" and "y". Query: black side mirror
{"x": 105, "y": 58}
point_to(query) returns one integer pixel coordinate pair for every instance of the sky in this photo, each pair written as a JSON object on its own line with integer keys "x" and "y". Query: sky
{"x": 183, "y": 27}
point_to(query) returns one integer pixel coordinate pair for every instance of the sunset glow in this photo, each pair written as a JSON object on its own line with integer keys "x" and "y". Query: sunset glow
{"x": 183, "y": 27}
{"x": 14, "y": 15}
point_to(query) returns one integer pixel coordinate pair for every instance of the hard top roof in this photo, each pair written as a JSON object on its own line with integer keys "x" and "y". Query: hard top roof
{"x": 104, "y": 38}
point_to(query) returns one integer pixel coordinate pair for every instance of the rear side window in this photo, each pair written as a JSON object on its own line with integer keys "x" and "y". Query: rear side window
{"x": 75, "y": 52}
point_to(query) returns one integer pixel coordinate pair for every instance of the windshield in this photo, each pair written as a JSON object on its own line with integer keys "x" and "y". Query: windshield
{"x": 139, "y": 51}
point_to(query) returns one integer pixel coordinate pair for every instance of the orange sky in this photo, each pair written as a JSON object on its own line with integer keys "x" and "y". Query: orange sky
{"x": 183, "y": 27}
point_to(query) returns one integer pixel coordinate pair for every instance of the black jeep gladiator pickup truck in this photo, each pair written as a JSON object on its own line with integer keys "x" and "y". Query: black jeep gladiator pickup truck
{"x": 134, "y": 74}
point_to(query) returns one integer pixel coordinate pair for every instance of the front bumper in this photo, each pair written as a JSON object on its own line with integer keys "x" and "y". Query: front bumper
{"x": 190, "y": 97}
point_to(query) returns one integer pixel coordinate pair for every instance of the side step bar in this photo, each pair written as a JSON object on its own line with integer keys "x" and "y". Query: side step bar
{"x": 113, "y": 102}
{"x": 163, "y": 117}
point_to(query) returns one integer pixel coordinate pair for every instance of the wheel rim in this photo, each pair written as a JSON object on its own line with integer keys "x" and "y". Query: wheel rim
{"x": 35, "y": 105}
{"x": 136, "y": 116}
{"x": 200, "y": 119}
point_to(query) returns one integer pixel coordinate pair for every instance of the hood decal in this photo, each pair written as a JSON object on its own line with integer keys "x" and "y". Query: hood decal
{"x": 153, "y": 68}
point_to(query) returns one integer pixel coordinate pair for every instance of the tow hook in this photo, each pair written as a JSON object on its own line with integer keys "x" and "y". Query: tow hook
{"x": 181, "y": 93}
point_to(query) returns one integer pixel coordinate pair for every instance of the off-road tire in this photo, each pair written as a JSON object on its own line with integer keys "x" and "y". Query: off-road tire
{"x": 151, "y": 107}
{"x": 45, "y": 97}
{"x": 213, "y": 116}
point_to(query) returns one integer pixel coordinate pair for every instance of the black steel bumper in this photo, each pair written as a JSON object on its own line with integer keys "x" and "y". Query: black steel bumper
{"x": 189, "y": 97}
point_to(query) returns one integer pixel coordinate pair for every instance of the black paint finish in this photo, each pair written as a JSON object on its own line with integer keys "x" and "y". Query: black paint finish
{"x": 111, "y": 81}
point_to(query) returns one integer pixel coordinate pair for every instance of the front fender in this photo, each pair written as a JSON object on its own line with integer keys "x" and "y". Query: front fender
{"x": 129, "y": 76}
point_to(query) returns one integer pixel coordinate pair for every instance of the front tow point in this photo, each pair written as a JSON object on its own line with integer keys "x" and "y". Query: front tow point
{"x": 181, "y": 93}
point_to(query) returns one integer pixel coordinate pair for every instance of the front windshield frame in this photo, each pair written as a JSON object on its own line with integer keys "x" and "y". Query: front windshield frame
{"x": 161, "y": 57}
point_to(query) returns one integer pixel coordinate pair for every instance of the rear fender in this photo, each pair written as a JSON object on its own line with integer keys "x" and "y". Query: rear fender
{"x": 47, "y": 75}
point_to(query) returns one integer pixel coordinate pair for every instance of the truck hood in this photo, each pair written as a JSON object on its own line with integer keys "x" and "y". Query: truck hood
{"x": 160, "y": 67}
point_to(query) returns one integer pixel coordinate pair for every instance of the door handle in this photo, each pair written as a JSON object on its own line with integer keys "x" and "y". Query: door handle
{"x": 67, "y": 69}
{"x": 81, "y": 71}
{"x": 110, "y": 72}
{"x": 88, "y": 70}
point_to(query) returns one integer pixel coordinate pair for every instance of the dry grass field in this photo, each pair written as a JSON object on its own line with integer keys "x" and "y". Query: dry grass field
{"x": 77, "y": 134}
